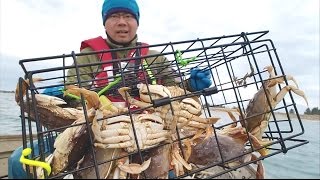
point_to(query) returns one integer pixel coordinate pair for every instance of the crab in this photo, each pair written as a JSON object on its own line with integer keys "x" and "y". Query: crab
{"x": 184, "y": 113}
{"x": 230, "y": 152}
{"x": 71, "y": 144}
{"x": 118, "y": 132}
{"x": 258, "y": 112}
{"x": 48, "y": 108}
{"x": 98, "y": 102}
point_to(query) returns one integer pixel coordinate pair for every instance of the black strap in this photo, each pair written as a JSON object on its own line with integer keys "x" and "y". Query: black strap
{"x": 115, "y": 64}
{"x": 138, "y": 61}
{"x": 137, "y": 64}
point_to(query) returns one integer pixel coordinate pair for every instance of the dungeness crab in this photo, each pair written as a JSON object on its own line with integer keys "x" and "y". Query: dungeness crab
{"x": 118, "y": 132}
{"x": 48, "y": 109}
{"x": 258, "y": 112}
{"x": 226, "y": 148}
{"x": 185, "y": 111}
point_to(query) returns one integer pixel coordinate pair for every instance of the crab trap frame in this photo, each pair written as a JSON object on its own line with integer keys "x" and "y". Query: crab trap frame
{"x": 236, "y": 65}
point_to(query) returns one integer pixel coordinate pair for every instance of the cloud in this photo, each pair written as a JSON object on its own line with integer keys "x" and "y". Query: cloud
{"x": 10, "y": 72}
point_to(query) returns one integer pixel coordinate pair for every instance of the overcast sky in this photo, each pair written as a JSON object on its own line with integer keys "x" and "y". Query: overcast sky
{"x": 37, "y": 28}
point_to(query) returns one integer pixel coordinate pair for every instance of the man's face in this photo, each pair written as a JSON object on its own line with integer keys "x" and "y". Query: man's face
{"x": 121, "y": 27}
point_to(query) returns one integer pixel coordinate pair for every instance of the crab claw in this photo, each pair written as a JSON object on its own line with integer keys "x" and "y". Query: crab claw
{"x": 123, "y": 91}
{"x": 91, "y": 96}
{"x": 24, "y": 87}
{"x": 43, "y": 99}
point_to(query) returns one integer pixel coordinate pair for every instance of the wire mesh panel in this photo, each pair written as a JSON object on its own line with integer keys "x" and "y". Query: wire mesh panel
{"x": 139, "y": 116}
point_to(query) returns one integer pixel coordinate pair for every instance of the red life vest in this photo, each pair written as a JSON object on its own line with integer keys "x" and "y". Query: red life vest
{"x": 99, "y": 44}
{"x": 101, "y": 79}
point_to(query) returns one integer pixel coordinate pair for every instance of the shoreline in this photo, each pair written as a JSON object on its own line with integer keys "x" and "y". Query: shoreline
{"x": 303, "y": 117}
{"x": 5, "y": 91}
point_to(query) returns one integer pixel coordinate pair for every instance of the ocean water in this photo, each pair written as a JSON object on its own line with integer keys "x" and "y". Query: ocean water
{"x": 302, "y": 162}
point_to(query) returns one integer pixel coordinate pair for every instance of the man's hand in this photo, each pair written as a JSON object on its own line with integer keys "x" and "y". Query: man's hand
{"x": 199, "y": 79}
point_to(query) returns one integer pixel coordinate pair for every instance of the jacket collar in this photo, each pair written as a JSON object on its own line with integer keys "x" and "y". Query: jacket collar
{"x": 114, "y": 44}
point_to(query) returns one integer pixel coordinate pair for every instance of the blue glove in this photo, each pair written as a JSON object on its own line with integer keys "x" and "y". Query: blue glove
{"x": 199, "y": 79}
{"x": 54, "y": 91}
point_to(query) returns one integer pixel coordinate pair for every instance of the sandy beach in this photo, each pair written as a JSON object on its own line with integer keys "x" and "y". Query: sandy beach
{"x": 8, "y": 144}
{"x": 308, "y": 117}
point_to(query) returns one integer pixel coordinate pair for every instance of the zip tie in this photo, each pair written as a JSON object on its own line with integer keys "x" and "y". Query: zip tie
{"x": 146, "y": 67}
{"x": 182, "y": 62}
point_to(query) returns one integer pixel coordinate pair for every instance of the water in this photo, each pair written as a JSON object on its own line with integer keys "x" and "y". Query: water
{"x": 298, "y": 163}
{"x": 302, "y": 162}
{"x": 9, "y": 115}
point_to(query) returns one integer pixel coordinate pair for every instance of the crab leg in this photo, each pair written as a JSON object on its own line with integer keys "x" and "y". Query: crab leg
{"x": 286, "y": 89}
{"x": 187, "y": 115}
{"x": 258, "y": 131}
{"x": 91, "y": 96}
{"x": 120, "y": 125}
{"x": 134, "y": 168}
{"x": 154, "y": 141}
{"x": 117, "y": 139}
{"x": 191, "y": 105}
{"x": 258, "y": 144}
{"x": 283, "y": 91}
{"x": 178, "y": 162}
{"x": 45, "y": 100}
{"x": 126, "y": 96}
{"x": 182, "y": 161}
{"x": 178, "y": 167}
{"x": 185, "y": 122}
{"x": 157, "y": 135}
{"x": 260, "y": 169}
{"x": 117, "y": 145}
{"x": 114, "y": 132}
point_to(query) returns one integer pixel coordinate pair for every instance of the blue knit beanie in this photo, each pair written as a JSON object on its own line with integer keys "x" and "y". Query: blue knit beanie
{"x": 112, "y": 6}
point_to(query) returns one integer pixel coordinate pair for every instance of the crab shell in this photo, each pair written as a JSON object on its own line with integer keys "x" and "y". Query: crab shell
{"x": 105, "y": 168}
{"x": 50, "y": 114}
{"x": 231, "y": 150}
{"x": 47, "y": 108}
{"x": 205, "y": 151}
{"x": 71, "y": 145}
{"x": 118, "y": 132}
{"x": 160, "y": 162}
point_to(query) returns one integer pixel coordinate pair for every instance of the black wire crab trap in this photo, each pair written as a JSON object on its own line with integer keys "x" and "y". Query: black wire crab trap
{"x": 165, "y": 130}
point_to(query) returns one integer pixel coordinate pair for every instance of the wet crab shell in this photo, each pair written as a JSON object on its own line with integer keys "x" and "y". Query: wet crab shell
{"x": 160, "y": 162}
{"x": 105, "y": 167}
{"x": 206, "y": 151}
{"x": 71, "y": 145}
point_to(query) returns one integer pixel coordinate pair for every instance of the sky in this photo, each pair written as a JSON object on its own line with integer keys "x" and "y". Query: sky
{"x": 38, "y": 28}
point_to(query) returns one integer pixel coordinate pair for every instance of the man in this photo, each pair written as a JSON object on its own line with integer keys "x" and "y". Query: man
{"x": 121, "y": 21}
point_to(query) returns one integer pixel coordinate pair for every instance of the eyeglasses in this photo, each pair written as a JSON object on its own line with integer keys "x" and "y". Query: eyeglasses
{"x": 116, "y": 17}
